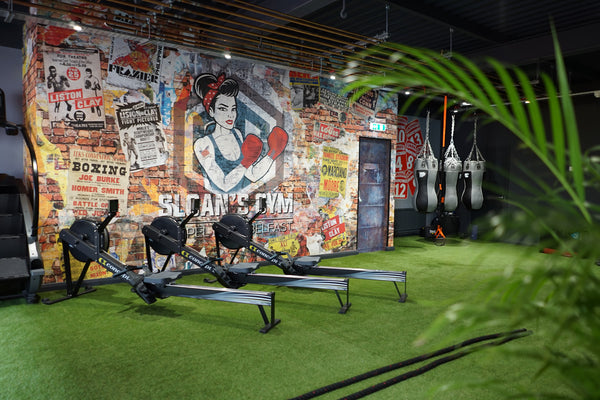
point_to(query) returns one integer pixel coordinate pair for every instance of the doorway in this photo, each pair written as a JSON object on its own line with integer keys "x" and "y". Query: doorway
{"x": 374, "y": 194}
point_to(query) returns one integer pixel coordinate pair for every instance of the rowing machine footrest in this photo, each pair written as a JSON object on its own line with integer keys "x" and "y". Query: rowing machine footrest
{"x": 307, "y": 261}
{"x": 243, "y": 268}
{"x": 144, "y": 292}
{"x": 162, "y": 278}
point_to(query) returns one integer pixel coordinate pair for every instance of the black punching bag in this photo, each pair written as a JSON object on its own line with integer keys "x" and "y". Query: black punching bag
{"x": 426, "y": 170}
{"x": 425, "y": 175}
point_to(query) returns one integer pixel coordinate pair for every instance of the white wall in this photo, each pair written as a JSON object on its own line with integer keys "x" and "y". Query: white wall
{"x": 11, "y": 82}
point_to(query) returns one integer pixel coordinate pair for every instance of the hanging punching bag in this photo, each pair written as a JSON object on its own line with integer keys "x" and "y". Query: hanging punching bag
{"x": 452, "y": 169}
{"x": 426, "y": 170}
{"x": 473, "y": 169}
{"x": 472, "y": 196}
{"x": 425, "y": 199}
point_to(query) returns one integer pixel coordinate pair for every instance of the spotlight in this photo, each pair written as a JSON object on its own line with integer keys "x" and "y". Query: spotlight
{"x": 227, "y": 55}
{"x": 77, "y": 27}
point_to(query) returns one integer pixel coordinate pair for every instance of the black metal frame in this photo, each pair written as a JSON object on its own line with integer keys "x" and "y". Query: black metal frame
{"x": 303, "y": 265}
{"x": 150, "y": 287}
{"x": 173, "y": 242}
{"x": 30, "y": 212}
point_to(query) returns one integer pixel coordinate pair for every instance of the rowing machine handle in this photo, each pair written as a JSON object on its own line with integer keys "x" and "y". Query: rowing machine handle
{"x": 262, "y": 208}
{"x": 113, "y": 208}
{"x": 195, "y": 209}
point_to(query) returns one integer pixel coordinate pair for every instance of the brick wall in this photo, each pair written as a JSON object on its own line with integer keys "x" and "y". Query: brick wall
{"x": 297, "y": 170}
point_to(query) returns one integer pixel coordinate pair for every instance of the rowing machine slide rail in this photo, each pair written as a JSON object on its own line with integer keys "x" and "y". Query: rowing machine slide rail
{"x": 166, "y": 236}
{"x": 87, "y": 241}
{"x": 235, "y": 232}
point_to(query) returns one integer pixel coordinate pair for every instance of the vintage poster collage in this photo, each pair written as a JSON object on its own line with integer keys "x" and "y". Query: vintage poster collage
{"x": 174, "y": 125}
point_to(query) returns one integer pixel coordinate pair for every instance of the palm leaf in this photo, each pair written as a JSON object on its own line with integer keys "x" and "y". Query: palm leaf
{"x": 561, "y": 292}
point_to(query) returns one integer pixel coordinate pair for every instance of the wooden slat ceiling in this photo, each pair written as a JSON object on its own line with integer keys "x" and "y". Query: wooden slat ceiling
{"x": 324, "y": 35}
{"x": 219, "y": 26}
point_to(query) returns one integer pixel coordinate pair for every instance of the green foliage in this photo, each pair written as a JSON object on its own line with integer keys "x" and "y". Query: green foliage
{"x": 562, "y": 292}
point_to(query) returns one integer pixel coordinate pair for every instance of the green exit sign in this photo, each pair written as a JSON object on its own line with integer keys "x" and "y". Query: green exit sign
{"x": 377, "y": 127}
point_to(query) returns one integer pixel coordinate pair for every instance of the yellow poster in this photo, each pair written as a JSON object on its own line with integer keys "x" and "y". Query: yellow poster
{"x": 93, "y": 180}
{"x": 334, "y": 173}
{"x": 288, "y": 243}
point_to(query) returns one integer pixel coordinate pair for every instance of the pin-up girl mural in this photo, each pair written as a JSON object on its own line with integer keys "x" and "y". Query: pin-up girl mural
{"x": 229, "y": 160}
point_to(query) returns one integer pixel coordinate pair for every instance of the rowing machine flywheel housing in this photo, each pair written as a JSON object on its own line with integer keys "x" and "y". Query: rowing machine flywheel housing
{"x": 237, "y": 223}
{"x": 168, "y": 227}
{"x": 88, "y": 231}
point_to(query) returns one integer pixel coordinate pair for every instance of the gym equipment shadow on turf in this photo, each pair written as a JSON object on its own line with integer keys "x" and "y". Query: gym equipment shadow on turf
{"x": 88, "y": 241}
{"x": 167, "y": 236}
{"x": 235, "y": 232}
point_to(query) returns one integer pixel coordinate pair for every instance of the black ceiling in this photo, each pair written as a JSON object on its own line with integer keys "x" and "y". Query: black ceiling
{"x": 514, "y": 31}
{"x": 517, "y": 32}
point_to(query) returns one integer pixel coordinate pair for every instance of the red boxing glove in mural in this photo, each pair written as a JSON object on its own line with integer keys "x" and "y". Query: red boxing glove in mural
{"x": 277, "y": 142}
{"x": 251, "y": 150}
{"x": 229, "y": 160}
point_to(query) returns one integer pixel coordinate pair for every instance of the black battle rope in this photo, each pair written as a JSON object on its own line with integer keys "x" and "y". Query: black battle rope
{"x": 430, "y": 366}
{"x": 508, "y": 336}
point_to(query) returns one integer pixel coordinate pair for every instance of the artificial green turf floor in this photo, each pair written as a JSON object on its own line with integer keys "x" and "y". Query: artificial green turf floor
{"x": 110, "y": 345}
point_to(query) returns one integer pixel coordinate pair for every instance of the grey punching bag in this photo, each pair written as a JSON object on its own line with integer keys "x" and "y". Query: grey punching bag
{"x": 473, "y": 169}
{"x": 472, "y": 196}
{"x": 452, "y": 169}
{"x": 426, "y": 170}
{"x": 425, "y": 176}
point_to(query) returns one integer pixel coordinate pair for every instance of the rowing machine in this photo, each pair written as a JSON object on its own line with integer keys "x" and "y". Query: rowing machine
{"x": 167, "y": 236}
{"x": 235, "y": 232}
{"x": 88, "y": 240}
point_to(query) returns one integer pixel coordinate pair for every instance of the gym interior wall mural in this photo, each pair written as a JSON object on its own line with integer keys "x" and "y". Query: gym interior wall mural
{"x": 157, "y": 127}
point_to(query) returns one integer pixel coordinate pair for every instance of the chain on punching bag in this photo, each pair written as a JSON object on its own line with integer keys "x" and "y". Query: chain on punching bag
{"x": 426, "y": 169}
{"x": 473, "y": 169}
{"x": 452, "y": 169}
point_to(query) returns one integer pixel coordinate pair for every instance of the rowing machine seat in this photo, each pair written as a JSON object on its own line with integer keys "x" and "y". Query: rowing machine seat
{"x": 162, "y": 278}
{"x": 243, "y": 268}
{"x": 307, "y": 261}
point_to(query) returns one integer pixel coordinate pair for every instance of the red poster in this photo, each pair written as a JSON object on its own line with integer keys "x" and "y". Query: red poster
{"x": 410, "y": 141}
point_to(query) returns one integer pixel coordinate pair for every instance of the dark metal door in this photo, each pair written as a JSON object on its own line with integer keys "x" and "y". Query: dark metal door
{"x": 374, "y": 194}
